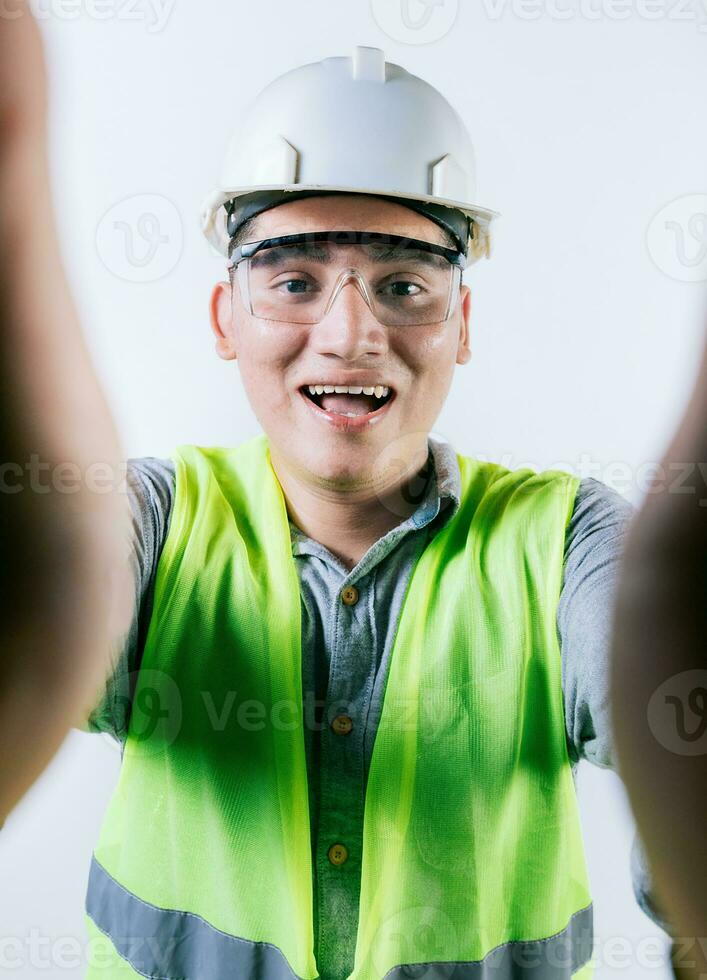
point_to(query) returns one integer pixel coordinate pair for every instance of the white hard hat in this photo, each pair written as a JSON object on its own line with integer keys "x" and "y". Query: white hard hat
{"x": 357, "y": 125}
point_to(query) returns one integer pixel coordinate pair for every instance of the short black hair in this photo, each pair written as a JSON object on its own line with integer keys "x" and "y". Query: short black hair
{"x": 242, "y": 234}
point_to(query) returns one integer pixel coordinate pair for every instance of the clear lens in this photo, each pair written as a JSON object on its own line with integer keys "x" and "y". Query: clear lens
{"x": 403, "y": 286}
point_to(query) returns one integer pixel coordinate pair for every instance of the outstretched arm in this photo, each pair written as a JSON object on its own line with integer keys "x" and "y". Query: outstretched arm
{"x": 65, "y": 586}
{"x": 660, "y": 642}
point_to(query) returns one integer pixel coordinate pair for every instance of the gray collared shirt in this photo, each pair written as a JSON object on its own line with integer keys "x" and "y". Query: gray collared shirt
{"x": 345, "y": 651}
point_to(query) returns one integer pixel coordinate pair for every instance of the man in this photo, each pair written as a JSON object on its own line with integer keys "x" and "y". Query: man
{"x": 364, "y": 666}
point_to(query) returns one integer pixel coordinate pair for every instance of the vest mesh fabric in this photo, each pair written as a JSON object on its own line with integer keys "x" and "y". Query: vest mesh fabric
{"x": 472, "y": 837}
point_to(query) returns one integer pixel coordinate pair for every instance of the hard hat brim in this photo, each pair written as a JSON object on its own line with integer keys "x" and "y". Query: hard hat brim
{"x": 213, "y": 215}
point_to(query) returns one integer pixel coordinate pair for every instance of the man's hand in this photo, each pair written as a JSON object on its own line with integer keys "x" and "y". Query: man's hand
{"x": 660, "y": 633}
{"x": 22, "y": 72}
{"x": 64, "y": 576}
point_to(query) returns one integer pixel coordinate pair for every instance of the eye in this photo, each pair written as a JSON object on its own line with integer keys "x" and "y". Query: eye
{"x": 403, "y": 287}
{"x": 296, "y": 284}
{"x": 293, "y": 285}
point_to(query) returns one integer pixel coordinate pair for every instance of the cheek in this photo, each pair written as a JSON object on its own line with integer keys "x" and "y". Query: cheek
{"x": 430, "y": 354}
{"x": 265, "y": 355}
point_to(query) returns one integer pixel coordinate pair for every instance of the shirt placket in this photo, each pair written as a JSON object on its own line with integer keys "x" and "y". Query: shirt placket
{"x": 342, "y": 791}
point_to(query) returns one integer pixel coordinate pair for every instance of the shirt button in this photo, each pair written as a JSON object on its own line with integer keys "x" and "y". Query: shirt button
{"x": 337, "y": 853}
{"x": 342, "y": 724}
{"x": 349, "y": 595}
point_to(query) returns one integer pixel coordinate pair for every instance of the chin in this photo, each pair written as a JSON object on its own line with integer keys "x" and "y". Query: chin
{"x": 347, "y": 468}
{"x": 329, "y": 466}
{"x": 330, "y": 459}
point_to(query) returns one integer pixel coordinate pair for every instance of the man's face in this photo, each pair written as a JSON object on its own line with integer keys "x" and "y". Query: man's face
{"x": 349, "y": 346}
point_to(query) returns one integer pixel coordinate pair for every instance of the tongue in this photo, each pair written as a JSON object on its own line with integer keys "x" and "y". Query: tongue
{"x": 343, "y": 404}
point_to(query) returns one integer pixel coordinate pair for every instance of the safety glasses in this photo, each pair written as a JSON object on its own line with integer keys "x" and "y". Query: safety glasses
{"x": 297, "y": 278}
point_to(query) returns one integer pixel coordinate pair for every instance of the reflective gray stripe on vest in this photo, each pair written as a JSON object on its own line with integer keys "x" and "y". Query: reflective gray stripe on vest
{"x": 170, "y": 945}
{"x": 175, "y": 945}
{"x": 554, "y": 958}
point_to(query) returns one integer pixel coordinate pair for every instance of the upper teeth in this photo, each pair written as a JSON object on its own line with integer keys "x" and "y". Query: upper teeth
{"x": 380, "y": 391}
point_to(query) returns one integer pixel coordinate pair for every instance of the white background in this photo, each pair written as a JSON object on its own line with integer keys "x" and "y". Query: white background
{"x": 587, "y": 121}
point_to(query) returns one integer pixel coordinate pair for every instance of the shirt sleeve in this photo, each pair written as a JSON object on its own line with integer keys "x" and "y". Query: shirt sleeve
{"x": 593, "y": 546}
{"x": 594, "y": 543}
{"x": 150, "y": 486}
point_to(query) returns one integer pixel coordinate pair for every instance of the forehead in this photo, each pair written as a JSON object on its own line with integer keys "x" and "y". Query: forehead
{"x": 354, "y": 212}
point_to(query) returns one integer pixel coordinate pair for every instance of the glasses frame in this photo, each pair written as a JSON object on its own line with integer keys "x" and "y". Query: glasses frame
{"x": 245, "y": 251}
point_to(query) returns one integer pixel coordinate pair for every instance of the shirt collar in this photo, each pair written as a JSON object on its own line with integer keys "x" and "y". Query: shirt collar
{"x": 446, "y": 485}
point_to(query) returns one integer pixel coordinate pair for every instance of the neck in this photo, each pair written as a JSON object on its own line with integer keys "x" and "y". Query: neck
{"x": 348, "y": 522}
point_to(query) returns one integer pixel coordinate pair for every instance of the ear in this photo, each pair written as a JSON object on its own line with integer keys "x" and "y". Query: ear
{"x": 221, "y": 315}
{"x": 464, "y": 348}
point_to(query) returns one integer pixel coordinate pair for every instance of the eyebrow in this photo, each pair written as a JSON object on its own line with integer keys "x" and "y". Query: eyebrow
{"x": 316, "y": 253}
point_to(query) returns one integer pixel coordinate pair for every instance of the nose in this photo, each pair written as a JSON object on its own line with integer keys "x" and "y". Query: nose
{"x": 349, "y": 329}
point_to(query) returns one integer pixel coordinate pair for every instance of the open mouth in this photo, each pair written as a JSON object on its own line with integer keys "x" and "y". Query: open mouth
{"x": 351, "y": 405}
